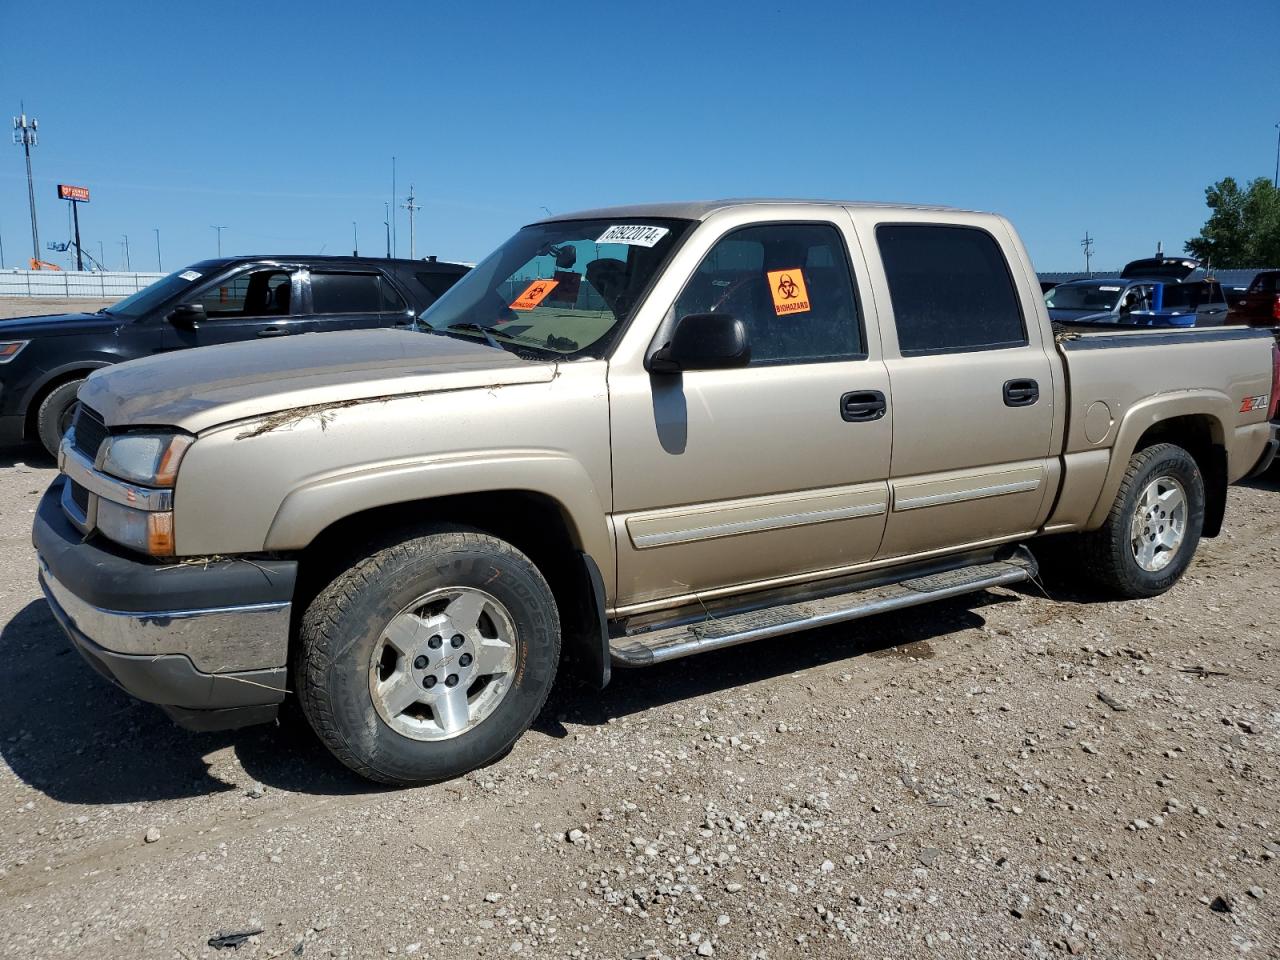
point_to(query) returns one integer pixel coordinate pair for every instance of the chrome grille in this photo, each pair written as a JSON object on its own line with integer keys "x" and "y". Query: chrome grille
{"x": 90, "y": 431}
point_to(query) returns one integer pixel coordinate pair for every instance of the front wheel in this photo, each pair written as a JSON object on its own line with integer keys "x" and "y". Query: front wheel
{"x": 428, "y": 658}
{"x": 54, "y": 416}
{"x": 1153, "y": 529}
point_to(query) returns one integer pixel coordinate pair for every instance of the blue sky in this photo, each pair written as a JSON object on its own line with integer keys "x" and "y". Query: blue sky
{"x": 279, "y": 120}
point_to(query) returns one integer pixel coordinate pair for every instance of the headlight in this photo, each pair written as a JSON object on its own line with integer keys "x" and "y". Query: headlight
{"x": 10, "y": 349}
{"x": 143, "y": 530}
{"x": 148, "y": 458}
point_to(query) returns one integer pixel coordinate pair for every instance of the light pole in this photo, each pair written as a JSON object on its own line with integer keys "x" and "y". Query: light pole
{"x": 159, "y": 265}
{"x": 387, "y": 223}
{"x": 219, "y": 229}
{"x": 355, "y": 240}
{"x": 394, "y": 249}
{"x": 24, "y": 133}
{"x": 128, "y": 266}
{"x": 102, "y": 256}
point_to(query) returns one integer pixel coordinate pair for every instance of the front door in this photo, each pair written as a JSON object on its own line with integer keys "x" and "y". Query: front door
{"x": 729, "y": 478}
{"x": 260, "y": 302}
{"x": 973, "y": 391}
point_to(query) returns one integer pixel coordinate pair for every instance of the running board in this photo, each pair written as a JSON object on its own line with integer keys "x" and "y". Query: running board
{"x": 712, "y": 633}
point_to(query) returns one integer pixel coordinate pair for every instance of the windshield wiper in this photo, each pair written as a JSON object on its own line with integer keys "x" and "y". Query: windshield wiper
{"x": 478, "y": 328}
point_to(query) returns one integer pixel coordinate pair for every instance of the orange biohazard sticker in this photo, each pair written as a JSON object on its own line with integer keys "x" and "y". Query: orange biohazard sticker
{"x": 533, "y": 294}
{"x": 790, "y": 295}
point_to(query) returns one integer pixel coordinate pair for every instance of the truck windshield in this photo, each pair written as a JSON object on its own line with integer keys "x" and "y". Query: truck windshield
{"x": 559, "y": 289}
{"x": 148, "y": 298}
{"x": 1084, "y": 296}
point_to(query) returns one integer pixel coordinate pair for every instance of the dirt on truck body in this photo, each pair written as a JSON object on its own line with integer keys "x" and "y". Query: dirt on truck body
{"x": 630, "y": 434}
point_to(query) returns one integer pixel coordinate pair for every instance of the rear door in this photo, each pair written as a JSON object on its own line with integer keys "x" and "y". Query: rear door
{"x": 354, "y": 299}
{"x": 256, "y": 302}
{"x": 971, "y": 382}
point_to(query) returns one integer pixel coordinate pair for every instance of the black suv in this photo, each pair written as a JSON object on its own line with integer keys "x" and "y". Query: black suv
{"x": 43, "y": 360}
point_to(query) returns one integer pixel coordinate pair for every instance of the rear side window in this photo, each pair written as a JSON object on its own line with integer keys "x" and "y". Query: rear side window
{"x": 353, "y": 293}
{"x": 951, "y": 289}
{"x": 437, "y": 284}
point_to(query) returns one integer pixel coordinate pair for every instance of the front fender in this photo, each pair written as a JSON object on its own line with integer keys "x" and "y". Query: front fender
{"x": 310, "y": 508}
{"x": 1214, "y": 405}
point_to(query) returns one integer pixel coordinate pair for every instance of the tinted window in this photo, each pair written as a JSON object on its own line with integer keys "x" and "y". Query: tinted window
{"x": 1176, "y": 297}
{"x": 258, "y": 293}
{"x": 790, "y": 286}
{"x": 346, "y": 293}
{"x": 437, "y": 284}
{"x": 951, "y": 289}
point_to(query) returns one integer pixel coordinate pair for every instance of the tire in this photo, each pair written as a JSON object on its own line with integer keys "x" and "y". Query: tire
{"x": 54, "y": 415}
{"x": 1113, "y": 556}
{"x": 364, "y": 639}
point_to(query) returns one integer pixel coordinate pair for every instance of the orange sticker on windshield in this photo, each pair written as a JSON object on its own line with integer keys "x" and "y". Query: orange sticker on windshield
{"x": 533, "y": 294}
{"x": 790, "y": 295}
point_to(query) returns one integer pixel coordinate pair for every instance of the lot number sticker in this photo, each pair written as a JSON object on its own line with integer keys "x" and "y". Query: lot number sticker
{"x": 790, "y": 295}
{"x": 633, "y": 236}
{"x": 189, "y": 275}
{"x": 533, "y": 294}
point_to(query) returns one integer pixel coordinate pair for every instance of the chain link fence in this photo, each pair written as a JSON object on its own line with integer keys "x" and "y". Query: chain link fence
{"x": 69, "y": 283}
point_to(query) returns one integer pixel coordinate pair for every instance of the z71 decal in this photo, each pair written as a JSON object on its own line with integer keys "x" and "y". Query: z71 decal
{"x": 1250, "y": 404}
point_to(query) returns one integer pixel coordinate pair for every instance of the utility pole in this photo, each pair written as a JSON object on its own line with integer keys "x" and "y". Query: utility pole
{"x": 159, "y": 265}
{"x": 1275, "y": 181}
{"x": 412, "y": 208}
{"x": 355, "y": 240}
{"x": 394, "y": 247}
{"x": 24, "y": 132}
{"x": 387, "y": 223}
{"x": 1087, "y": 243}
{"x": 128, "y": 266}
{"x": 219, "y": 229}
{"x": 102, "y": 257}
{"x": 75, "y": 219}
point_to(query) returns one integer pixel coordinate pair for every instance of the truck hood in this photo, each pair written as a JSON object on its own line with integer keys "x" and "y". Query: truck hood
{"x": 56, "y": 325}
{"x": 209, "y": 386}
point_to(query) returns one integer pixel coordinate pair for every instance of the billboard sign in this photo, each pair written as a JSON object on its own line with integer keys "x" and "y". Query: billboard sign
{"x": 67, "y": 192}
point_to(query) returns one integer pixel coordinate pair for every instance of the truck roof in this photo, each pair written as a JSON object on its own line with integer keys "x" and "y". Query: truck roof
{"x": 701, "y": 209}
{"x": 399, "y": 262}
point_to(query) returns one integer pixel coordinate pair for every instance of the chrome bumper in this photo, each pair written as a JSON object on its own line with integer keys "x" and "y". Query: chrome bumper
{"x": 215, "y": 640}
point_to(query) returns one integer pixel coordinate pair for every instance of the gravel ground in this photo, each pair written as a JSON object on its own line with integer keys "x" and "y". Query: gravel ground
{"x": 39, "y": 306}
{"x": 998, "y": 776}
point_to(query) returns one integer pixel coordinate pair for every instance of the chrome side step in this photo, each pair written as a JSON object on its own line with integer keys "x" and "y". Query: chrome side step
{"x": 712, "y": 633}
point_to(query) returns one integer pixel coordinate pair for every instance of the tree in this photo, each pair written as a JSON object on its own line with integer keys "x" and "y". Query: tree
{"x": 1243, "y": 229}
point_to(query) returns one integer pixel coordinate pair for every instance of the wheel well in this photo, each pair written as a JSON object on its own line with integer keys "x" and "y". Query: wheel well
{"x": 533, "y": 523}
{"x": 33, "y": 408}
{"x": 1200, "y": 436}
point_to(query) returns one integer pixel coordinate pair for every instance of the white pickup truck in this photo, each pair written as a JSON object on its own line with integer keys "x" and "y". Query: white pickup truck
{"x": 636, "y": 433}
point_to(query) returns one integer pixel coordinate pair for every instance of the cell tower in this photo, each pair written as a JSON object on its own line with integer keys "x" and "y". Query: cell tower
{"x": 25, "y": 131}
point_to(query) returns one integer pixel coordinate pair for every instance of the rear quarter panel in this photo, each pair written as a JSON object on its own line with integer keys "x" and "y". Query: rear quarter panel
{"x": 1122, "y": 384}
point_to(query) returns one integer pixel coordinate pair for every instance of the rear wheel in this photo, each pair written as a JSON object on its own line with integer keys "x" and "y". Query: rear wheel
{"x": 55, "y": 413}
{"x": 1153, "y": 529}
{"x": 429, "y": 657}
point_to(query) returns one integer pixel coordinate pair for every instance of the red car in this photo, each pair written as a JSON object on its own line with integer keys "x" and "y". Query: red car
{"x": 1260, "y": 305}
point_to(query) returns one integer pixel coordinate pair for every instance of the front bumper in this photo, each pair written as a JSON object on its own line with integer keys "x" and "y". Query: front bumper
{"x": 207, "y": 641}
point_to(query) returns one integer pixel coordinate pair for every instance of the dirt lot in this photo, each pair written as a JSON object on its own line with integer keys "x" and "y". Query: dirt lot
{"x": 948, "y": 782}
{"x": 39, "y": 306}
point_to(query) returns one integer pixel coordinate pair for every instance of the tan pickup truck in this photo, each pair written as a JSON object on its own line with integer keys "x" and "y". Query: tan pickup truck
{"x": 630, "y": 434}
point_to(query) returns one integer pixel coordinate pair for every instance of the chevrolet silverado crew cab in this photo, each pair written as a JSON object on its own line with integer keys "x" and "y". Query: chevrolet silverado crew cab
{"x": 631, "y": 434}
{"x": 44, "y": 360}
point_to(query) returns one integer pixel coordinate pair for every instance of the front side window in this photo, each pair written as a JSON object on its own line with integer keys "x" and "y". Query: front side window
{"x": 255, "y": 293}
{"x": 559, "y": 289}
{"x": 790, "y": 286}
{"x": 951, "y": 289}
{"x": 353, "y": 293}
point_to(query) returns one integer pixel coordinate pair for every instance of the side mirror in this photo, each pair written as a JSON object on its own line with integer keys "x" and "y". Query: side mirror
{"x": 703, "y": 341}
{"x": 187, "y": 316}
